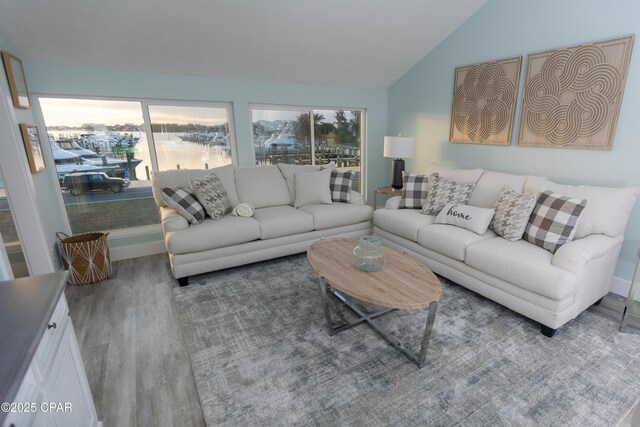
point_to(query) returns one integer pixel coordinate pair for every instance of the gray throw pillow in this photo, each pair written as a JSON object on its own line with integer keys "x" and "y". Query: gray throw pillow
{"x": 211, "y": 195}
{"x": 184, "y": 202}
{"x": 441, "y": 191}
{"x": 512, "y": 213}
{"x": 553, "y": 221}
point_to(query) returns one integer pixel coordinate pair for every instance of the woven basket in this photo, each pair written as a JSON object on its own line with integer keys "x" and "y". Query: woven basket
{"x": 86, "y": 256}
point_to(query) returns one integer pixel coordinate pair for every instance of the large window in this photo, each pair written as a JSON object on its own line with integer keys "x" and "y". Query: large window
{"x": 104, "y": 152}
{"x": 190, "y": 137}
{"x": 284, "y": 135}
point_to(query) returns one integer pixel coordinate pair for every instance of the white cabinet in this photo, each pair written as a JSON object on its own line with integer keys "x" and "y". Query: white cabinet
{"x": 56, "y": 384}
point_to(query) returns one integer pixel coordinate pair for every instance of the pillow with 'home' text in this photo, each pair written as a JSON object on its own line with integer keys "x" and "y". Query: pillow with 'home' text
{"x": 470, "y": 217}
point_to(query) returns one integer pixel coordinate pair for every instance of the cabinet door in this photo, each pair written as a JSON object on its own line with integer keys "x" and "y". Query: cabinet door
{"x": 67, "y": 384}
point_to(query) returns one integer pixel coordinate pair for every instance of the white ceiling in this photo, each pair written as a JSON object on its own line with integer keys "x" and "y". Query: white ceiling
{"x": 352, "y": 43}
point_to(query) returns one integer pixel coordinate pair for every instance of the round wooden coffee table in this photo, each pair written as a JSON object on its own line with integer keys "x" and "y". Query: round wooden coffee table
{"x": 404, "y": 283}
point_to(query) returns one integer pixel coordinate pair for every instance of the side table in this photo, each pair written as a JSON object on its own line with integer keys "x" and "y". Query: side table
{"x": 631, "y": 297}
{"x": 385, "y": 191}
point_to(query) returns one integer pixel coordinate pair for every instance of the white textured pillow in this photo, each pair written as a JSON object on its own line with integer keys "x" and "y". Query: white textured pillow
{"x": 289, "y": 171}
{"x": 470, "y": 217}
{"x": 312, "y": 188}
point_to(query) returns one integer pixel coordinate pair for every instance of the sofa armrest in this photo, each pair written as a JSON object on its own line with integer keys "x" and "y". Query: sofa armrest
{"x": 172, "y": 220}
{"x": 356, "y": 198}
{"x": 575, "y": 255}
{"x": 393, "y": 202}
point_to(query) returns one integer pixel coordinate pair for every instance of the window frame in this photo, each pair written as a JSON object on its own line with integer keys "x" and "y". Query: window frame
{"x": 144, "y": 104}
{"x": 310, "y": 109}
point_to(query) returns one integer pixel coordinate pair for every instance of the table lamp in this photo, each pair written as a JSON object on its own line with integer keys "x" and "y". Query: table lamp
{"x": 397, "y": 148}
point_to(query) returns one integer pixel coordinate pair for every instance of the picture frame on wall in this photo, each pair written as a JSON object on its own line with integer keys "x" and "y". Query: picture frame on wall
{"x": 17, "y": 80}
{"x": 33, "y": 147}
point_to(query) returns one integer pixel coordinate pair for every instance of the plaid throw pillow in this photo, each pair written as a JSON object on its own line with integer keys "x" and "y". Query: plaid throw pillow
{"x": 442, "y": 191}
{"x": 340, "y": 186}
{"x": 184, "y": 202}
{"x": 553, "y": 221}
{"x": 414, "y": 191}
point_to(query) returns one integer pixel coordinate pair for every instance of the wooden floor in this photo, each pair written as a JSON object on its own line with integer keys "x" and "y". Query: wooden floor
{"x": 133, "y": 347}
{"x": 134, "y": 351}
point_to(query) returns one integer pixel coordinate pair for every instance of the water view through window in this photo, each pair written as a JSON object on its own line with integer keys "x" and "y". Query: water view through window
{"x": 104, "y": 161}
{"x": 285, "y": 136}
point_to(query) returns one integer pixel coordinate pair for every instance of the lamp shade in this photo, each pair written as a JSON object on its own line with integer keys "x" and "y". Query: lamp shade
{"x": 399, "y": 147}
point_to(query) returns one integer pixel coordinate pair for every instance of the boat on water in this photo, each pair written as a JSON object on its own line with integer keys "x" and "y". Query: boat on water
{"x": 91, "y": 157}
{"x": 67, "y": 162}
{"x": 216, "y": 140}
{"x": 285, "y": 140}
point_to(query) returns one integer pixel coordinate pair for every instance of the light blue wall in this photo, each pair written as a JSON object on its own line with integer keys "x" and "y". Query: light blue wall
{"x": 64, "y": 80}
{"x": 420, "y": 102}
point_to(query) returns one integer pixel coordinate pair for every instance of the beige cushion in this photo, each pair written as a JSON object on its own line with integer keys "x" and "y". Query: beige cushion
{"x": 289, "y": 171}
{"x": 278, "y": 221}
{"x": 337, "y": 214}
{"x": 213, "y": 233}
{"x": 181, "y": 177}
{"x": 607, "y": 210}
{"x": 312, "y": 188}
{"x": 521, "y": 264}
{"x": 262, "y": 186}
{"x": 485, "y": 193}
{"x": 172, "y": 220}
{"x": 450, "y": 240}
{"x": 402, "y": 222}
{"x": 471, "y": 218}
{"x": 458, "y": 175}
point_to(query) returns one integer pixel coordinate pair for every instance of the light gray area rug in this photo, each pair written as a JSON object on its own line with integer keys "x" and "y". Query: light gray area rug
{"x": 261, "y": 355}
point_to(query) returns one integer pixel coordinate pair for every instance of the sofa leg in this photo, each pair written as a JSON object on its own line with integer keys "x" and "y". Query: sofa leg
{"x": 183, "y": 281}
{"x": 598, "y": 302}
{"x": 547, "y": 331}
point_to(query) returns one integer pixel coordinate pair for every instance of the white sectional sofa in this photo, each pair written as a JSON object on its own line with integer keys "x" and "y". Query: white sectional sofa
{"x": 276, "y": 229}
{"x": 549, "y": 288}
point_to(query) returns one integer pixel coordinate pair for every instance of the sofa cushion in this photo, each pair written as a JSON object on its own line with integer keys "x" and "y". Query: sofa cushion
{"x": 522, "y": 264}
{"x": 337, "y": 214}
{"x": 312, "y": 188}
{"x": 488, "y": 187}
{"x": 340, "y": 186}
{"x": 181, "y": 177}
{"x": 262, "y": 186}
{"x": 212, "y": 195}
{"x": 458, "y": 175}
{"x": 553, "y": 221}
{"x": 289, "y": 171}
{"x": 450, "y": 240}
{"x": 212, "y": 234}
{"x": 607, "y": 210}
{"x": 184, "y": 202}
{"x": 471, "y": 218}
{"x": 442, "y": 191}
{"x": 512, "y": 213}
{"x": 414, "y": 190}
{"x": 278, "y": 221}
{"x": 402, "y": 222}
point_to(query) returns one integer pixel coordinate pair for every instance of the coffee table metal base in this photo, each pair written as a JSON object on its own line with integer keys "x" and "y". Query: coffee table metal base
{"x": 368, "y": 318}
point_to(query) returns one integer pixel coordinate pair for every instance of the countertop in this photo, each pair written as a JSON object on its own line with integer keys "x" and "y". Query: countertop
{"x": 26, "y": 306}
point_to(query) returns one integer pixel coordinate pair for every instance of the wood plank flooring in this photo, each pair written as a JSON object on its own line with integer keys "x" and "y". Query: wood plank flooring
{"x": 135, "y": 354}
{"x": 133, "y": 347}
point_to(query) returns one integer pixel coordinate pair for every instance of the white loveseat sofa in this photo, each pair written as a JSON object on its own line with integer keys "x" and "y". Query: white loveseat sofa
{"x": 549, "y": 288}
{"x": 276, "y": 229}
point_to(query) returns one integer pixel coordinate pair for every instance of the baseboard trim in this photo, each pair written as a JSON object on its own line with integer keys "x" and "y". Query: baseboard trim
{"x": 135, "y": 251}
{"x": 620, "y": 286}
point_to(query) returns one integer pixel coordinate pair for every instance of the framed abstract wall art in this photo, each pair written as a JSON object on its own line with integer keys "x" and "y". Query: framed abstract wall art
{"x": 484, "y": 102}
{"x": 572, "y": 95}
